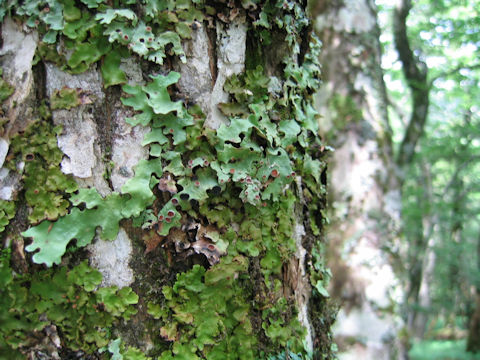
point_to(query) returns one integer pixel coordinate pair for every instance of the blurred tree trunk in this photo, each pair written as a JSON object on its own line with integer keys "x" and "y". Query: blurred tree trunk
{"x": 473, "y": 340}
{"x": 270, "y": 263}
{"x": 365, "y": 187}
{"x": 419, "y": 315}
{"x": 416, "y": 75}
{"x": 421, "y": 256}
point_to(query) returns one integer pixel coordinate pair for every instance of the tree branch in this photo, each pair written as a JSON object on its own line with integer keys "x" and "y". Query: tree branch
{"x": 453, "y": 71}
{"x": 415, "y": 72}
{"x": 458, "y": 170}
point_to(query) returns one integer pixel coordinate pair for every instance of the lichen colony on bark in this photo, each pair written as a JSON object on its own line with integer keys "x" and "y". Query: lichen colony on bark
{"x": 180, "y": 140}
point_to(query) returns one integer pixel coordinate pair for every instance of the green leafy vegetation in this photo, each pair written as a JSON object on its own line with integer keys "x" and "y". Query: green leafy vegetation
{"x": 61, "y": 297}
{"x": 208, "y": 312}
{"x": 65, "y": 98}
{"x": 440, "y": 191}
{"x": 441, "y": 350}
{"x": 288, "y": 354}
{"x": 46, "y": 186}
{"x": 7, "y": 212}
{"x": 237, "y": 187}
{"x": 121, "y": 352}
{"x": 5, "y": 88}
{"x": 52, "y": 238}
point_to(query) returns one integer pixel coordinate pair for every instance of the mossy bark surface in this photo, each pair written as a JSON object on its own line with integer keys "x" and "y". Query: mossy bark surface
{"x": 176, "y": 148}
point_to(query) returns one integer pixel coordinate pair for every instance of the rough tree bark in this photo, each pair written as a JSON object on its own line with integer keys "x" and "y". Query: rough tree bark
{"x": 233, "y": 277}
{"x": 365, "y": 188}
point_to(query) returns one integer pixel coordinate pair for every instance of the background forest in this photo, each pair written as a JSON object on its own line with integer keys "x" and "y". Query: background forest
{"x": 430, "y": 62}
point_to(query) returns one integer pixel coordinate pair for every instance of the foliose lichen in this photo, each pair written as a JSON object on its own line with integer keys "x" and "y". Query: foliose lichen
{"x": 242, "y": 181}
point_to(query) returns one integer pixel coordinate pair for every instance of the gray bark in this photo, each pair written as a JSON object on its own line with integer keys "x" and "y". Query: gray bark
{"x": 365, "y": 193}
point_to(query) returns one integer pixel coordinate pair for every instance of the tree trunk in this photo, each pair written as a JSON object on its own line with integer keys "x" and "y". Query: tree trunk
{"x": 364, "y": 190}
{"x": 420, "y": 315}
{"x": 422, "y": 257}
{"x": 473, "y": 340}
{"x": 199, "y": 184}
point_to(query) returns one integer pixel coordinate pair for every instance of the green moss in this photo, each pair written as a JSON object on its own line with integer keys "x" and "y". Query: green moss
{"x": 241, "y": 179}
{"x": 208, "y": 313}
{"x": 61, "y": 297}
{"x": 45, "y": 185}
{"x": 5, "y": 88}
{"x": 7, "y": 212}
{"x": 49, "y": 53}
{"x": 65, "y": 98}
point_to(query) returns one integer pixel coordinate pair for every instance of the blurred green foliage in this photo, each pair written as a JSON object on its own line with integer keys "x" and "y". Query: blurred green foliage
{"x": 441, "y": 186}
{"x": 441, "y": 350}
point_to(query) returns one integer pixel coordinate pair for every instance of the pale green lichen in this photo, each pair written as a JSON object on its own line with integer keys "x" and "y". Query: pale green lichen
{"x": 52, "y": 238}
{"x": 244, "y": 173}
{"x": 121, "y": 352}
